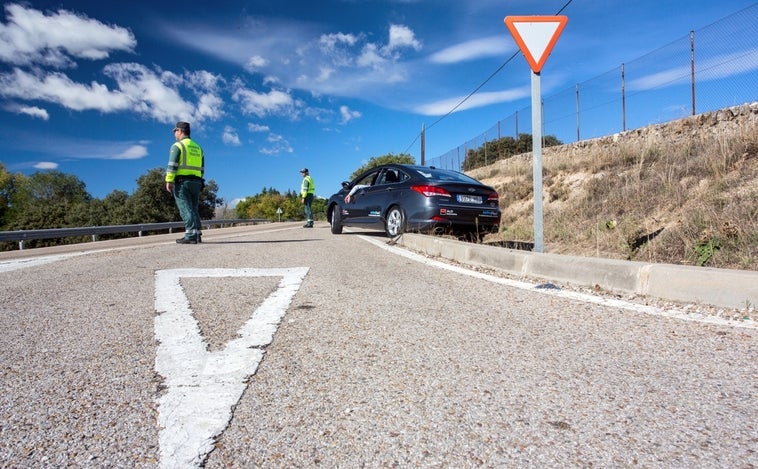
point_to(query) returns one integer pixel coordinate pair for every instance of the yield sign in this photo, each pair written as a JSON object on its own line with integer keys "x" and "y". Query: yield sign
{"x": 536, "y": 36}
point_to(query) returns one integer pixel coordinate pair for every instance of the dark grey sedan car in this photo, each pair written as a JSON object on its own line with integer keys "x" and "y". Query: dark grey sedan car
{"x": 399, "y": 198}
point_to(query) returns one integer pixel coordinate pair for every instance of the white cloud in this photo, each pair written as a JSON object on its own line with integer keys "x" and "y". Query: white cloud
{"x": 277, "y": 144}
{"x": 402, "y": 36}
{"x": 59, "y": 89}
{"x": 326, "y": 73}
{"x": 210, "y": 107}
{"x": 319, "y": 114}
{"x": 148, "y": 94}
{"x": 275, "y": 102}
{"x": 139, "y": 90}
{"x": 470, "y": 50}
{"x": 57, "y": 39}
{"x": 337, "y": 49}
{"x": 296, "y": 55}
{"x": 444, "y": 106}
{"x": 257, "y": 128}
{"x": 33, "y": 37}
{"x": 348, "y": 115}
{"x": 371, "y": 57}
{"x": 230, "y": 137}
{"x": 202, "y": 81}
{"x": 69, "y": 147}
{"x": 329, "y": 41}
{"x": 134, "y": 152}
{"x": 46, "y": 165}
{"x": 255, "y": 63}
{"x": 32, "y": 111}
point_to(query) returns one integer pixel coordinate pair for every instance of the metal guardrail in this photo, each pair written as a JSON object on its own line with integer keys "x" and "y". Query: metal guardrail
{"x": 95, "y": 231}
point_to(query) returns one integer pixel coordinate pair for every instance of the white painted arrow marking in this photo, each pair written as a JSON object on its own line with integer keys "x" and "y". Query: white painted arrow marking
{"x": 203, "y": 386}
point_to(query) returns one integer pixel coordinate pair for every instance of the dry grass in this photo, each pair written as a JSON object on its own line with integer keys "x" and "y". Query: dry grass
{"x": 664, "y": 194}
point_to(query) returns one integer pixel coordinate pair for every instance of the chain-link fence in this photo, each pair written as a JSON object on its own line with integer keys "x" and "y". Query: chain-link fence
{"x": 708, "y": 69}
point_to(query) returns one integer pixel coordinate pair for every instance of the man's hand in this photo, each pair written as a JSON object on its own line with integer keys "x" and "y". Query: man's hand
{"x": 170, "y": 187}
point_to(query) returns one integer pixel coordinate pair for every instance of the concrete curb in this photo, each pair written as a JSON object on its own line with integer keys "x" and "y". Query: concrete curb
{"x": 726, "y": 288}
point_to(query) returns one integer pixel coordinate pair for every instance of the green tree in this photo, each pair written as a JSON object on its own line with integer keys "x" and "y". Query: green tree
{"x": 44, "y": 199}
{"x": 53, "y": 199}
{"x": 209, "y": 200}
{"x": 265, "y": 205}
{"x": 48, "y": 199}
{"x": 319, "y": 208}
{"x": 268, "y": 201}
{"x": 150, "y": 202}
{"x": 293, "y": 208}
{"x": 112, "y": 210}
{"x": 402, "y": 158}
{"x": 115, "y": 207}
{"x": 9, "y": 186}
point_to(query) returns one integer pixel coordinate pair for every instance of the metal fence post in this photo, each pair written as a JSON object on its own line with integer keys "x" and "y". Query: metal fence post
{"x": 692, "y": 68}
{"x": 578, "y": 138}
{"x": 623, "y": 99}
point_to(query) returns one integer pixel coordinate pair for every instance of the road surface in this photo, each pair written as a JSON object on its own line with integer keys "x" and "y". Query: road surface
{"x": 278, "y": 346}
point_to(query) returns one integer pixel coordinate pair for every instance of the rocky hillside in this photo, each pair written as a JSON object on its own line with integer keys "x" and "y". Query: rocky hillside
{"x": 685, "y": 192}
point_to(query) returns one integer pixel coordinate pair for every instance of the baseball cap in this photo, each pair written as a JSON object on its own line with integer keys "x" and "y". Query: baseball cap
{"x": 183, "y": 126}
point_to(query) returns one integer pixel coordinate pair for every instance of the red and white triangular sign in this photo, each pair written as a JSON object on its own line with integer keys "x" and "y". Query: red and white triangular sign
{"x": 536, "y": 36}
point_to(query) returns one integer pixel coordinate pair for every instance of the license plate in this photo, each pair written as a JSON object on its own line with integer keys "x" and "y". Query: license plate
{"x": 470, "y": 199}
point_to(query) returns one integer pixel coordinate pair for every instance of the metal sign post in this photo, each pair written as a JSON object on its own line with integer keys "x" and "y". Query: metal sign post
{"x": 536, "y": 36}
{"x": 537, "y": 161}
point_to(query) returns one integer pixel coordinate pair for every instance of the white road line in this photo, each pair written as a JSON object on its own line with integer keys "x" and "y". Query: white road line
{"x": 202, "y": 386}
{"x": 16, "y": 264}
{"x": 612, "y": 302}
{"x": 9, "y": 266}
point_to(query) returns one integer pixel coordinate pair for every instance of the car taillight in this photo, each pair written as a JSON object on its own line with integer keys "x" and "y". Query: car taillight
{"x": 493, "y": 197}
{"x": 431, "y": 191}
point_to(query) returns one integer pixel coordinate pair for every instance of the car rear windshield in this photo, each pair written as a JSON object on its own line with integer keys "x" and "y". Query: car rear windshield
{"x": 445, "y": 175}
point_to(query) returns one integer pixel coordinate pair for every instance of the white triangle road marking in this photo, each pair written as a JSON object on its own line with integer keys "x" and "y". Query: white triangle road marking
{"x": 203, "y": 386}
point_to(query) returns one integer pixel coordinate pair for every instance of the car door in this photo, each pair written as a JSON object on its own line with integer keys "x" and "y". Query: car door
{"x": 357, "y": 210}
{"x": 383, "y": 194}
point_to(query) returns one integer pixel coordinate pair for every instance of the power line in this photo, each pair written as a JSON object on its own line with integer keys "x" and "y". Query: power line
{"x": 492, "y": 75}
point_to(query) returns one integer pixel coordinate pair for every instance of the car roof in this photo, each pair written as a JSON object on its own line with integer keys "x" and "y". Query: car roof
{"x": 426, "y": 172}
{"x": 416, "y": 167}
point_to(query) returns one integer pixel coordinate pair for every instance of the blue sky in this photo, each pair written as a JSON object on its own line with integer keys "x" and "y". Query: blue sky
{"x": 93, "y": 88}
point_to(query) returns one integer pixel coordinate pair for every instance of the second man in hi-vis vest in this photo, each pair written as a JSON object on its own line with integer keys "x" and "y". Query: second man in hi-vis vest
{"x": 184, "y": 179}
{"x": 307, "y": 190}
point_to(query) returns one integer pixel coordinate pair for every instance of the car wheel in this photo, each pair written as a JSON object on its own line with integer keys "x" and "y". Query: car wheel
{"x": 395, "y": 222}
{"x": 336, "y": 220}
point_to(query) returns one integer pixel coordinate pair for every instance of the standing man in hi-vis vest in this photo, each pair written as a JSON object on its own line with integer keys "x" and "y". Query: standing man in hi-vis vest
{"x": 307, "y": 189}
{"x": 184, "y": 179}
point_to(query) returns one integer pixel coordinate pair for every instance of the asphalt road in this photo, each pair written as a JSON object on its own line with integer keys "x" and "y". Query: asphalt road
{"x": 278, "y": 346}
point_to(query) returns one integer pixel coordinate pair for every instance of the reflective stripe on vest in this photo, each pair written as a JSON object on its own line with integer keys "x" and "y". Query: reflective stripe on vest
{"x": 191, "y": 161}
